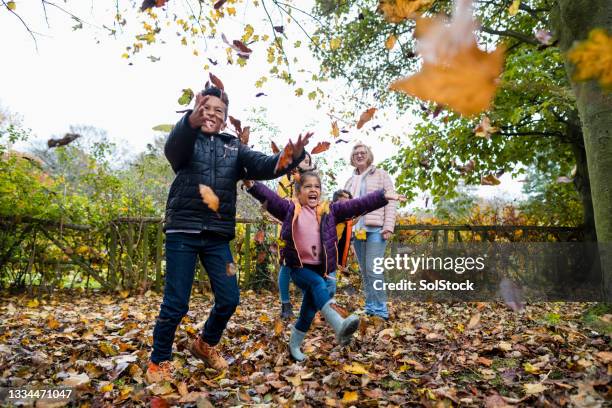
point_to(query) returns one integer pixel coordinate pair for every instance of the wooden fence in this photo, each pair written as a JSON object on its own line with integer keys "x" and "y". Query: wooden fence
{"x": 129, "y": 252}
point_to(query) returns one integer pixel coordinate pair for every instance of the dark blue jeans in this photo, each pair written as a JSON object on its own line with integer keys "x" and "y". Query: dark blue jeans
{"x": 182, "y": 251}
{"x": 316, "y": 293}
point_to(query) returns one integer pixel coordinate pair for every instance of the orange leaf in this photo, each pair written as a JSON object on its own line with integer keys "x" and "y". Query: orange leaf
{"x": 209, "y": 197}
{"x": 489, "y": 180}
{"x": 278, "y": 327}
{"x": 285, "y": 158}
{"x": 466, "y": 84}
{"x": 335, "y": 130}
{"x": 365, "y": 117}
{"x": 216, "y": 81}
{"x": 275, "y": 148}
{"x": 261, "y": 257}
{"x": 259, "y": 237}
{"x": 320, "y": 147}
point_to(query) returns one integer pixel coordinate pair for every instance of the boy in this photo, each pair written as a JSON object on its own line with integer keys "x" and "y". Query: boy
{"x": 200, "y": 154}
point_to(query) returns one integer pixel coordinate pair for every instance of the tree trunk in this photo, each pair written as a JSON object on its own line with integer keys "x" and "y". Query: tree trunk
{"x": 572, "y": 21}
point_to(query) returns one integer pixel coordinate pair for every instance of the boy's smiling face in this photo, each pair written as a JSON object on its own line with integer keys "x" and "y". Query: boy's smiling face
{"x": 214, "y": 115}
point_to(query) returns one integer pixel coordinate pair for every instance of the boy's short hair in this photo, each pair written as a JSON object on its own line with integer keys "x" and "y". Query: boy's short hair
{"x": 219, "y": 93}
{"x": 338, "y": 194}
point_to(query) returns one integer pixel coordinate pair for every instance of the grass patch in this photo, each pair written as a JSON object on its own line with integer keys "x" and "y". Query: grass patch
{"x": 499, "y": 363}
{"x": 592, "y": 318}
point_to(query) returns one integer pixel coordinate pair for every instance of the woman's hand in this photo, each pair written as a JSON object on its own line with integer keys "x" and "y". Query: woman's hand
{"x": 386, "y": 234}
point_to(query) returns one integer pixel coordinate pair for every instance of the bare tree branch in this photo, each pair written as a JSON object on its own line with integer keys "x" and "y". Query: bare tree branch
{"x": 24, "y": 24}
{"x": 511, "y": 33}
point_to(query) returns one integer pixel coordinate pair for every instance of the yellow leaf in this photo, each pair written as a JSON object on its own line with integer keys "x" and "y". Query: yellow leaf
{"x": 11, "y": 5}
{"x": 107, "y": 387}
{"x": 531, "y": 369}
{"x": 355, "y": 368}
{"x": 231, "y": 11}
{"x": 390, "y": 42}
{"x": 264, "y": 318}
{"x": 535, "y": 388}
{"x": 335, "y": 43}
{"x": 593, "y": 58}
{"x": 299, "y": 92}
{"x": 396, "y": 11}
{"x": 361, "y": 235}
{"x": 484, "y": 128}
{"x": 278, "y": 327}
{"x": 335, "y": 130}
{"x": 514, "y": 7}
{"x": 124, "y": 294}
{"x": 33, "y": 303}
{"x": 350, "y": 396}
{"x": 52, "y": 323}
{"x": 209, "y": 197}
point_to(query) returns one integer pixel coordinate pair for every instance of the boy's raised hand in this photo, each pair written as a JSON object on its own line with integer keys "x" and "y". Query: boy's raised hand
{"x": 298, "y": 147}
{"x": 196, "y": 119}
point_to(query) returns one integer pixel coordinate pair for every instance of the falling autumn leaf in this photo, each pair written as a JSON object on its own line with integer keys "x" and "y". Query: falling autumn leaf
{"x": 514, "y": 7}
{"x": 279, "y": 29}
{"x": 455, "y": 72}
{"x": 186, "y": 97}
{"x": 489, "y": 180}
{"x": 285, "y": 158}
{"x": 544, "y": 37}
{"x": 260, "y": 94}
{"x": 243, "y": 50}
{"x": 67, "y": 139}
{"x": 236, "y": 124}
{"x": 274, "y": 147}
{"x": 396, "y": 11}
{"x": 147, "y": 4}
{"x": 216, "y": 81}
{"x": 320, "y": 147}
{"x": 230, "y": 269}
{"x": 219, "y": 4}
{"x": 11, "y": 5}
{"x": 209, "y": 197}
{"x": 244, "y": 135}
{"x": 366, "y": 116}
{"x": 335, "y": 130}
{"x": 592, "y": 58}
{"x": 390, "y": 42}
{"x": 484, "y": 128}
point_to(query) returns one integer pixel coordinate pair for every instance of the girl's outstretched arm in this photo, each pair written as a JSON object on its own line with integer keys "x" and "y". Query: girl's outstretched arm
{"x": 272, "y": 202}
{"x": 345, "y": 210}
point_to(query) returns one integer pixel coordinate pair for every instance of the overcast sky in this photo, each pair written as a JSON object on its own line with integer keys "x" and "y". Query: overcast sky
{"x": 74, "y": 79}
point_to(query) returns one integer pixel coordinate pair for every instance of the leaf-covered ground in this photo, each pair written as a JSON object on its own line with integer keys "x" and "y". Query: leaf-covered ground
{"x": 439, "y": 355}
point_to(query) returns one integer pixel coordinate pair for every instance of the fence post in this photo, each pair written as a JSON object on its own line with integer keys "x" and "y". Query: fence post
{"x": 112, "y": 255}
{"x": 129, "y": 268}
{"x": 145, "y": 252}
{"x": 159, "y": 242}
{"x": 247, "y": 251}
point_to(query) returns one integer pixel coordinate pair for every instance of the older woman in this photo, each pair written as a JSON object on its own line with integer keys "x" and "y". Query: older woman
{"x": 373, "y": 229}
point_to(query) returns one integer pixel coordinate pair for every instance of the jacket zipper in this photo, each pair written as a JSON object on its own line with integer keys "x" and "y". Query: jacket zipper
{"x": 293, "y": 239}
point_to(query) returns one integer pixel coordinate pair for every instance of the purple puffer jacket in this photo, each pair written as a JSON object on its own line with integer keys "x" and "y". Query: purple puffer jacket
{"x": 330, "y": 215}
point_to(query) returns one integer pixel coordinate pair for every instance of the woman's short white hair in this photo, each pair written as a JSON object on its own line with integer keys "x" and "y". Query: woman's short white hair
{"x": 369, "y": 154}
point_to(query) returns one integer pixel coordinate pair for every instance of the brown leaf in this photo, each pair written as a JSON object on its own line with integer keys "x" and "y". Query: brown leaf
{"x": 275, "y": 148}
{"x": 216, "y": 81}
{"x": 320, "y": 147}
{"x": 67, "y": 139}
{"x": 245, "y": 134}
{"x": 219, "y": 4}
{"x": 278, "y": 327}
{"x": 236, "y": 124}
{"x": 484, "y": 128}
{"x": 209, "y": 197}
{"x": 335, "y": 130}
{"x": 489, "y": 180}
{"x": 261, "y": 257}
{"x": 259, "y": 237}
{"x": 474, "y": 321}
{"x": 365, "y": 117}
{"x": 147, "y": 4}
{"x": 230, "y": 269}
{"x": 242, "y": 47}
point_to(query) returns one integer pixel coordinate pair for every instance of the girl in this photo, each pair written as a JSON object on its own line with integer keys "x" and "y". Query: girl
{"x": 311, "y": 248}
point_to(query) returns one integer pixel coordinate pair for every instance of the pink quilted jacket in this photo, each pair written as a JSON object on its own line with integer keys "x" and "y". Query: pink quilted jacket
{"x": 376, "y": 179}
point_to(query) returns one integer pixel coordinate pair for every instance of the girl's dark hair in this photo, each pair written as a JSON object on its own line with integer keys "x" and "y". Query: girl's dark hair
{"x": 299, "y": 181}
{"x": 219, "y": 93}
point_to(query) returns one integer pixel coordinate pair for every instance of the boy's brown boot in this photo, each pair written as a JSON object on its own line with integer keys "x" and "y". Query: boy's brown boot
{"x": 207, "y": 353}
{"x": 159, "y": 372}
